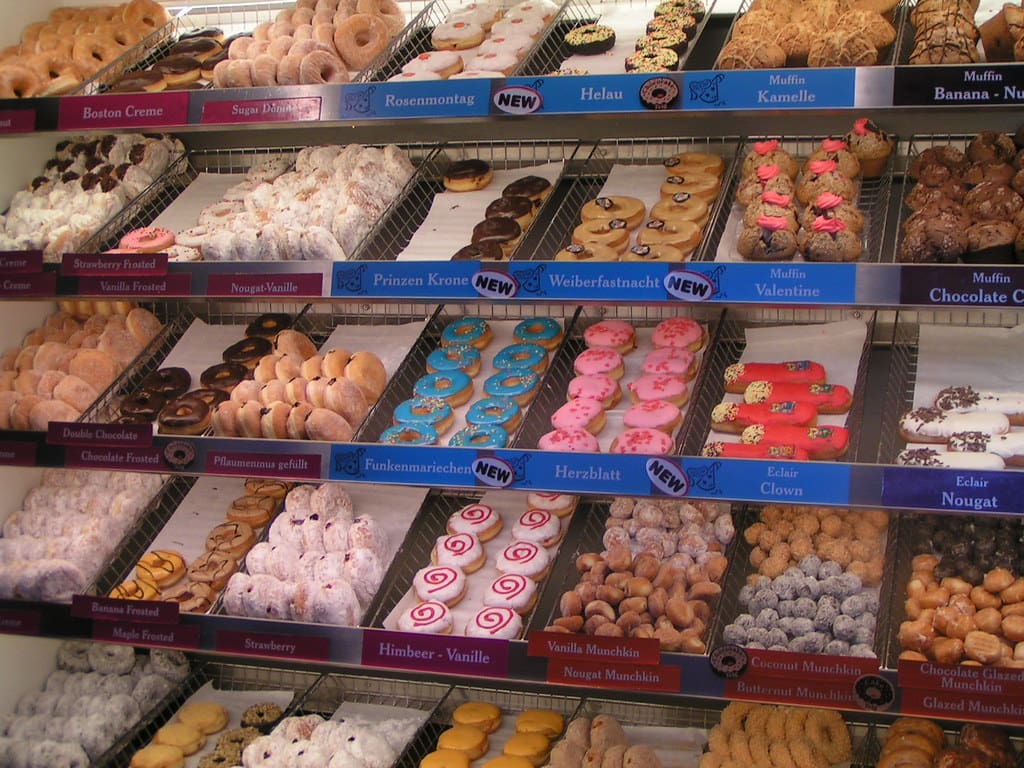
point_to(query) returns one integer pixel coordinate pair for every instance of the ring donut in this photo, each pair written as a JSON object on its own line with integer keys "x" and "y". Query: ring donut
{"x": 91, "y": 52}
{"x": 319, "y": 67}
{"x": 827, "y": 730}
{"x": 360, "y": 38}
{"x": 612, "y": 233}
{"x": 18, "y": 82}
{"x": 145, "y": 13}
{"x": 388, "y": 10}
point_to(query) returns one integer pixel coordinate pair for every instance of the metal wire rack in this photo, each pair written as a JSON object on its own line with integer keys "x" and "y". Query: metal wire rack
{"x": 885, "y": 58}
{"x": 333, "y": 690}
{"x": 587, "y": 178}
{"x": 561, "y": 372}
{"x": 552, "y": 51}
{"x": 511, "y": 703}
{"x": 413, "y": 40}
{"x": 902, "y": 380}
{"x": 589, "y": 528}
{"x": 166, "y": 189}
{"x": 105, "y": 409}
{"x": 149, "y": 50}
{"x": 225, "y": 677}
{"x": 391, "y": 235}
{"x": 137, "y": 540}
{"x": 730, "y": 344}
{"x": 872, "y": 199}
{"x": 413, "y": 367}
{"x": 740, "y": 568}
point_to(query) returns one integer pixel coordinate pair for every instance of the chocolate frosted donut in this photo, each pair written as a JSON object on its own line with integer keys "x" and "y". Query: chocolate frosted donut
{"x": 504, "y": 232}
{"x": 467, "y": 175}
{"x": 185, "y": 416}
{"x": 138, "y": 81}
{"x": 144, "y": 404}
{"x": 533, "y": 187}
{"x": 223, "y": 376}
{"x": 215, "y": 33}
{"x": 168, "y": 382}
{"x": 513, "y": 207}
{"x": 177, "y": 65}
{"x": 248, "y": 351}
{"x": 486, "y": 251}
{"x": 211, "y": 397}
{"x": 200, "y": 47}
{"x": 269, "y": 325}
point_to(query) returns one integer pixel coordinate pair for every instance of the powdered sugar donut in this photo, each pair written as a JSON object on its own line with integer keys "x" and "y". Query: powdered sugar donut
{"x": 478, "y": 519}
{"x": 432, "y": 617}
{"x": 503, "y": 623}
{"x": 462, "y": 550}
{"x": 364, "y": 572}
{"x": 538, "y": 526}
{"x": 525, "y": 558}
{"x": 444, "y": 583}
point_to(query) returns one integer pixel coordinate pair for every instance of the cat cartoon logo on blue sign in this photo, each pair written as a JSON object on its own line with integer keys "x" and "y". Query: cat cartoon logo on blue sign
{"x": 689, "y": 286}
{"x": 495, "y": 285}
{"x": 518, "y": 100}
{"x": 667, "y": 477}
{"x": 493, "y": 472}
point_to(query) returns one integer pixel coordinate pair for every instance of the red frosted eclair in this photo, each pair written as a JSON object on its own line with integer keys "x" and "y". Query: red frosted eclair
{"x": 825, "y": 442}
{"x": 739, "y": 375}
{"x": 734, "y": 417}
{"x": 826, "y": 398}
{"x": 744, "y": 451}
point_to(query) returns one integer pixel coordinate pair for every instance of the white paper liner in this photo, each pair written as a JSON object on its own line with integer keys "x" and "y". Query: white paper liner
{"x": 508, "y": 505}
{"x": 235, "y": 702}
{"x": 205, "y": 190}
{"x": 449, "y": 225}
{"x": 953, "y": 356}
{"x": 632, "y": 362}
{"x": 359, "y": 710}
{"x": 630, "y": 24}
{"x": 837, "y": 346}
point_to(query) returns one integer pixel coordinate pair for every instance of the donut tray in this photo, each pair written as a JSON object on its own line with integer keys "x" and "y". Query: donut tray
{"x": 393, "y": 233}
{"x": 904, "y": 364}
{"x": 416, "y": 553}
{"x": 588, "y": 179}
{"x": 592, "y": 514}
{"x": 224, "y": 676}
{"x": 414, "y": 366}
{"x": 740, "y": 569}
{"x": 632, "y": 14}
{"x": 173, "y": 188}
{"x": 729, "y": 346}
{"x": 561, "y": 370}
{"x": 142, "y": 54}
{"x": 900, "y": 20}
{"x": 872, "y": 201}
{"x": 512, "y": 701}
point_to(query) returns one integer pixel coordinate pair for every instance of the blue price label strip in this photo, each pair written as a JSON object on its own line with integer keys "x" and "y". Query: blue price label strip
{"x": 587, "y": 94}
{"x": 391, "y": 101}
{"x": 770, "y": 89}
{"x": 925, "y": 488}
{"x": 406, "y": 279}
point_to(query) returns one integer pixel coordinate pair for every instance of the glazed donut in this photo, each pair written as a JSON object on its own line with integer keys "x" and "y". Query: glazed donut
{"x": 611, "y": 233}
{"x": 917, "y": 725}
{"x": 303, "y": 32}
{"x": 360, "y": 38}
{"x": 302, "y": 16}
{"x": 18, "y": 82}
{"x": 321, "y": 67}
{"x": 124, "y": 36}
{"x": 281, "y": 28}
{"x": 145, "y": 13}
{"x": 237, "y": 73}
{"x": 827, "y": 730}
{"x": 629, "y": 209}
{"x": 388, "y": 10}
{"x": 51, "y": 65}
{"x": 288, "y": 70}
{"x": 324, "y": 34}
{"x": 91, "y": 52}
{"x": 264, "y": 70}
{"x": 280, "y": 47}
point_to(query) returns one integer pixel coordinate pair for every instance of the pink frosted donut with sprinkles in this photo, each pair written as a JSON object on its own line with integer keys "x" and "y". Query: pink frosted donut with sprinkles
{"x": 679, "y": 332}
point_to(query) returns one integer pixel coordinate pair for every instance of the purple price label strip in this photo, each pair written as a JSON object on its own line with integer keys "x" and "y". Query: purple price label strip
{"x": 441, "y": 653}
{"x": 17, "y": 120}
{"x": 298, "y": 465}
{"x": 112, "y": 609}
{"x": 21, "y": 262}
{"x": 262, "y": 111}
{"x": 17, "y": 454}
{"x": 178, "y": 284}
{"x": 19, "y": 622}
{"x": 248, "y": 286}
{"x": 130, "y": 110}
{"x": 25, "y": 286}
{"x": 114, "y": 264}
{"x": 185, "y": 637}
{"x": 108, "y": 435}
{"x": 277, "y": 646}
{"x": 127, "y": 459}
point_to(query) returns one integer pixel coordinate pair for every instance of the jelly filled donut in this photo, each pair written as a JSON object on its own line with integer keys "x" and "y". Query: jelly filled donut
{"x": 679, "y": 332}
{"x": 604, "y": 361}
{"x": 454, "y": 387}
{"x": 519, "y": 384}
{"x": 675, "y": 361}
{"x": 473, "y": 331}
{"x": 492, "y": 622}
{"x": 501, "y": 412}
{"x": 611, "y": 334}
{"x": 525, "y": 558}
{"x": 643, "y": 441}
{"x": 544, "y": 331}
{"x": 462, "y": 550}
{"x": 596, "y": 386}
{"x": 454, "y": 357}
{"x": 538, "y": 526}
{"x": 479, "y": 437}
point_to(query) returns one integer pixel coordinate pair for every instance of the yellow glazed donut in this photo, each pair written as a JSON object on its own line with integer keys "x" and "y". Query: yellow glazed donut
{"x": 629, "y": 209}
{"x": 680, "y": 233}
{"x": 609, "y": 233}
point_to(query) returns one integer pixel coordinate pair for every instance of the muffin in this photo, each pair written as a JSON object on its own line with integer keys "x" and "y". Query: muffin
{"x": 938, "y": 240}
{"x": 922, "y": 195}
{"x": 838, "y": 151}
{"x": 991, "y": 242}
{"x": 993, "y": 202}
{"x": 829, "y": 240}
{"x": 767, "y": 178}
{"x": 768, "y": 240}
{"x": 871, "y": 146}
{"x": 823, "y": 176}
{"x": 999, "y": 172}
{"x": 951, "y": 158}
{"x": 842, "y": 48}
{"x": 829, "y": 206}
{"x": 772, "y": 204}
{"x": 991, "y": 147}
{"x": 768, "y": 152}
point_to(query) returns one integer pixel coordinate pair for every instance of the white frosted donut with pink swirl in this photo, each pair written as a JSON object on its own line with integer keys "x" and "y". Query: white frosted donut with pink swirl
{"x": 478, "y": 519}
{"x": 559, "y": 504}
{"x": 538, "y": 526}
{"x": 462, "y": 550}
{"x": 512, "y": 590}
{"x": 525, "y": 558}
{"x": 444, "y": 583}
{"x": 498, "y": 623}
{"x": 432, "y": 617}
